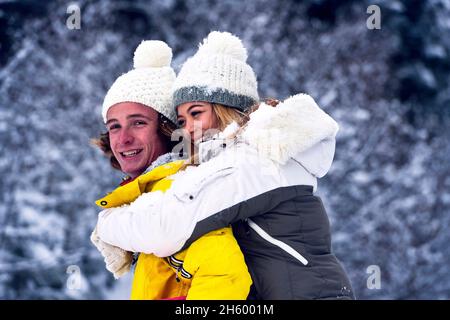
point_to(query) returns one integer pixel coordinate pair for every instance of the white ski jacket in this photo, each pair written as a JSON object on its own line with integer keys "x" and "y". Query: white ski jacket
{"x": 288, "y": 145}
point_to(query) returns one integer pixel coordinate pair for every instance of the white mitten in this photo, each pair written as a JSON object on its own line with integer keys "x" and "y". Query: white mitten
{"x": 117, "y": 260}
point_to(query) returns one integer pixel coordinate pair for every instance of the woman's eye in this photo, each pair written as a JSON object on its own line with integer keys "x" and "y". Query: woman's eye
{"x": 180, "y": 122}
{"x": 195, "y": 113}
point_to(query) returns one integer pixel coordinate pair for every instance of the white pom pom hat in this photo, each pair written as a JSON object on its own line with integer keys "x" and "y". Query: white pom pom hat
{"x": 217, "y": 73}
{"x": 149, "y": 83}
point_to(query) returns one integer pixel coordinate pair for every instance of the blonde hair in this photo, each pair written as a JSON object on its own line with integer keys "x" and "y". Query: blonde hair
{"x": 224, "y": 115}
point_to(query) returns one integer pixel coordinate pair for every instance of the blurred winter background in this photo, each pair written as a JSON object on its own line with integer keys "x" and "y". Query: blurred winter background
{"x": 388, "y": 193}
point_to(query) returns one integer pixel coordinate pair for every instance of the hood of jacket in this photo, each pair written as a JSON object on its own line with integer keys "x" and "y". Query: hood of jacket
{"x": 295, "y": 129}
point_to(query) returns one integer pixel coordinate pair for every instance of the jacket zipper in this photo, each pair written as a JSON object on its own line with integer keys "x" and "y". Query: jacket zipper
{"x": 280, "y": 244}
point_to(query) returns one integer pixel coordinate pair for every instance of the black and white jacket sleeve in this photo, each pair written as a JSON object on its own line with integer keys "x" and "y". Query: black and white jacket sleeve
{"x": 277, "y": 150}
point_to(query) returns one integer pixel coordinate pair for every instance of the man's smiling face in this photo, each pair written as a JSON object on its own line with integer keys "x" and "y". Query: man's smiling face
{"x": 134, "y": 136}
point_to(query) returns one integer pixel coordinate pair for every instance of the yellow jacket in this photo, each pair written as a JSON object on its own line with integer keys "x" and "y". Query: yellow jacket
{"x": 212, "y": 267}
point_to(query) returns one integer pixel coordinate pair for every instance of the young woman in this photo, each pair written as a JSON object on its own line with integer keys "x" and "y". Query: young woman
{"x": 259, "y": 174}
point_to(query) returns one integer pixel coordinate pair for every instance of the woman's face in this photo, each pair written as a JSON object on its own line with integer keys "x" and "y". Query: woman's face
{"x": 196, "y": 118}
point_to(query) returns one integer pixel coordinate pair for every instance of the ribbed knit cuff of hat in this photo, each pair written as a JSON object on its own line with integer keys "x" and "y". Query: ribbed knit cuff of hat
{"x": 219, "y": 96}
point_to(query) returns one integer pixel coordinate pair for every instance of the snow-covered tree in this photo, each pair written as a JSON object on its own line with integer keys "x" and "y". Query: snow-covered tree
{"x": 387, "y": 193}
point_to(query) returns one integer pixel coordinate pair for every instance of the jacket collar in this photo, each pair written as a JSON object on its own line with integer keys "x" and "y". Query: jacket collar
{"x": 161, "y": 160}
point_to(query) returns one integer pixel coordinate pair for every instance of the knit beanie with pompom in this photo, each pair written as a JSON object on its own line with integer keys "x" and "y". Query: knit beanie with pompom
{"x": 149, "y": 83}
{"x": 217, "y": 73}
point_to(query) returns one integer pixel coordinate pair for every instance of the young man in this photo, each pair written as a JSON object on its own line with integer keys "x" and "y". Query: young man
{"x": 138, "y": 114}
{"x": 135, "y": 112}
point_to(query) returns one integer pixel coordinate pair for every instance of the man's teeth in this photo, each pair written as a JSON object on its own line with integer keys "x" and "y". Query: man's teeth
{"x": 130, "y": 153}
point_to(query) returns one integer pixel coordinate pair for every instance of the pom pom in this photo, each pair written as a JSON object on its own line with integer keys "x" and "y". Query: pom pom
{"x": 152, "y": 54}
{"x": 223, "y": 43}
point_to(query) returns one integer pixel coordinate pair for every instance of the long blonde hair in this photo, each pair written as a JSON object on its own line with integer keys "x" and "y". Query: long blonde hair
{"x": 224, "y": 115}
